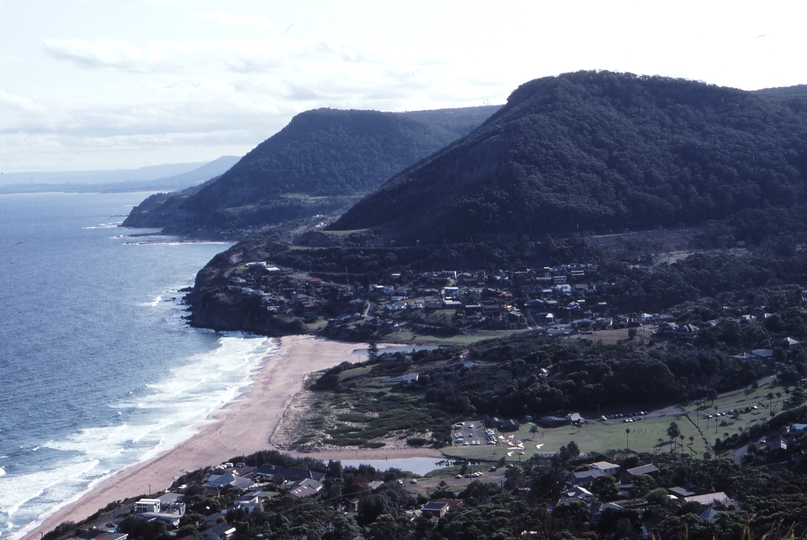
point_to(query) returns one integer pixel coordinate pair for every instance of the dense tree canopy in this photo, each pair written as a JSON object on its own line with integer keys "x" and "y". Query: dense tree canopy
{"x": 599, "y": 151}
{"x": 314, "y": 165}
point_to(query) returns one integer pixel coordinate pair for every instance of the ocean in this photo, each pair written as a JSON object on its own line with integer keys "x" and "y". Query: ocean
{"x": 98, "y": 369}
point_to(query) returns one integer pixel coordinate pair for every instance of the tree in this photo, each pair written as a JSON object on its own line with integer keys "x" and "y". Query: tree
{"x": 627, "y": 439}
{"x": 657, "y": 496}
{"x": 643, "y": 484}
{"x": 334, "y": 469}
{"x": 138, "y": 527}
{"x": 673, "y": 432}
{"x": 188, "y": 530}
{"x": 442, "y": 491}
{"x": 372, "y": 351}
{"x": 372, "y": 506}
{"x": 605, "y": 487}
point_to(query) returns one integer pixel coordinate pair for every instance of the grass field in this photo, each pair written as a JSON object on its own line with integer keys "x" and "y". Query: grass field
{"x": 646, "y": 435}
{"x": 616, "y": 336}
{"x": 461, "y": 340}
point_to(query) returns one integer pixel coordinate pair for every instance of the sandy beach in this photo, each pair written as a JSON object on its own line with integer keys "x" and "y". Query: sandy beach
{"x": 243, "y": 428}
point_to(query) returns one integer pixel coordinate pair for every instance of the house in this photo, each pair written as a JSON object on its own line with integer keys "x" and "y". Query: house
{"x": 307, "y": 487}
{"x": 222, "y": 531}
{"x": 667, "y": 329}
{"x": 776, "y": 446}
{"x": 709, "y": 499}
{"x": 687, "y": 332}
{"x": 649, "y": 469}
{"x": 228, "y": 479}
{"x": 450, "y": 293}
{"x": 575, "y": 418}
{"x": 710, "y": 514}
{"x": 435, "y": 509}
{"x": 576, "y": 493}
{"x": 681, "y": 492}
{"x": 797, "y": 428}
{"x": 169, "y": 509}
{"x": 552, "y": 421}
{"x": 214, "y": 519}
{"x": 249, "y": 502}
{"x": 503, "y": 425}
{"x": 147, "y": 505}
{"x": 406, "y": 380}
{"x": 598, "y": 508}
{"x": 605, "y": 467}
{"x": 98, "y": 534}
{"x": 584, "y": 478}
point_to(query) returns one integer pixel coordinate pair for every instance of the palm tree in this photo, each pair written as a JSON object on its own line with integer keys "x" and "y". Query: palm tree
{"x": 672, "y": 433}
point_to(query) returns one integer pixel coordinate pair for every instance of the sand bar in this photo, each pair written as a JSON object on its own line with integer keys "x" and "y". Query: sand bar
{"x": 243, "y": 428}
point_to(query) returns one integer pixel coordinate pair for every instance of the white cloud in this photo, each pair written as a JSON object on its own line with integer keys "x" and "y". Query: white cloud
{"x": 168, "y": 74}
{"x": 243, "y": 21}
{"x": 242, "y": 56}
{"x": 18, "y": 102}
{"x": 99, "y": 53}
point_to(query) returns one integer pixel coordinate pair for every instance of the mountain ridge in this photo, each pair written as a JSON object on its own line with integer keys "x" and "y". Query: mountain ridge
{"x": 600, "y": 151}
{"x": 169, "y": 176}
{"x": 321, "y": 162}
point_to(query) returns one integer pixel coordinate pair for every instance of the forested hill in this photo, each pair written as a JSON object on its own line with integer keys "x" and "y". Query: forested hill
{"x": 599, "y": 151}
{"x": 324, "y": 160}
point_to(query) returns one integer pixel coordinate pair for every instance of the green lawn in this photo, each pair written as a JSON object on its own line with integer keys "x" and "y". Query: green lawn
{"x": 406, "y": 336}
{"x": 647, "y": 435}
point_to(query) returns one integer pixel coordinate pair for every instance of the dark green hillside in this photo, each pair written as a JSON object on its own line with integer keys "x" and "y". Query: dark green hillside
{"x": 323, "y": 161}
{"x": 601, "y": 151}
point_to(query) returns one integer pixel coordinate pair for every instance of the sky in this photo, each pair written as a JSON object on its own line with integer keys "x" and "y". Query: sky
{"x": 110, "y": 84}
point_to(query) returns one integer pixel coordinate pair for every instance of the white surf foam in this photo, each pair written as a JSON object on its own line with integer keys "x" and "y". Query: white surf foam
{"x": 111, "y": 225}
{"x": 154, "y": 302}
{"x": 151, "y": 421}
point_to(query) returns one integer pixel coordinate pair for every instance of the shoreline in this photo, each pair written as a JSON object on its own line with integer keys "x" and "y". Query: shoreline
{"x": 243, "y": 427}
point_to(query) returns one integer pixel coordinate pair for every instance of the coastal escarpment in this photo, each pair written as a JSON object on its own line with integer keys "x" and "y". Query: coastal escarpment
{"x": 222, "y": 312}
{"x": 220, "y": 300}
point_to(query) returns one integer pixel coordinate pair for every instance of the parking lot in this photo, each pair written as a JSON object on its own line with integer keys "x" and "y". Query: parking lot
{"x": 471, "y": 433}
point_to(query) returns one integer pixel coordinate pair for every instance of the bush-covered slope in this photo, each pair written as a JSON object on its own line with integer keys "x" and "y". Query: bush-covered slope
{"x": 598, "y": 151}
{"x": 322, "y": 161}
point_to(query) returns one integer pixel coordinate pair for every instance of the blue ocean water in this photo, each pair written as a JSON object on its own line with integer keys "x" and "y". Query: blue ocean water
{"x": 98, "y": 370}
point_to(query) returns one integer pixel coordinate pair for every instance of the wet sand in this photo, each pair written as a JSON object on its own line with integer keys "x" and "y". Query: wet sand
{"x": 243, "y": 428}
